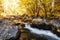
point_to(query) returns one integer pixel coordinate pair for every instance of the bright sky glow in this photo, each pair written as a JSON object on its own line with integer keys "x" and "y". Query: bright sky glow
{"x": 10, "y": 6}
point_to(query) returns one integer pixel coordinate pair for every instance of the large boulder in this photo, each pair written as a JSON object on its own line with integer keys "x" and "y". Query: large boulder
{"x": 7, "y": 29}
{"x": 37, "y": 21}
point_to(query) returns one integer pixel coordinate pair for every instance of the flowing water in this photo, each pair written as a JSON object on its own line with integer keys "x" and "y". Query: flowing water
{"x": 43, "y": 33}
{"x": 7, "y": 30}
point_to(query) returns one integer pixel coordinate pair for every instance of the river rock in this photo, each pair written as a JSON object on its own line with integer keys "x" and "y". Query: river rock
{"x": 7, "y": 29}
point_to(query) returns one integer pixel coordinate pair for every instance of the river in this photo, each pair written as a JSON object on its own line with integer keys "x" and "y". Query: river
{"x": 42, "y": 33}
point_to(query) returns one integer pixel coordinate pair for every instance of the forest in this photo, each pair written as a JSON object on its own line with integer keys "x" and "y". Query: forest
{"x": 29, "y": 19}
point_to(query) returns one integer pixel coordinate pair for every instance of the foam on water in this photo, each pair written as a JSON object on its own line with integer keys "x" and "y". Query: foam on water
{"x": 42, "y": 32}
